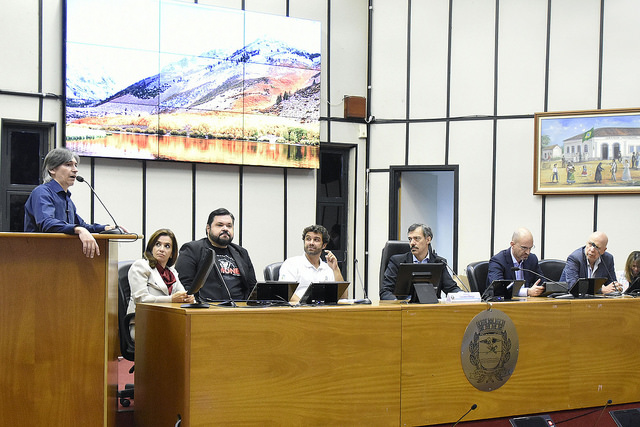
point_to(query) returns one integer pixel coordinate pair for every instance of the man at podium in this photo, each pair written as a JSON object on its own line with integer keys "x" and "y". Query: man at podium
{"x": 50, "y": 209}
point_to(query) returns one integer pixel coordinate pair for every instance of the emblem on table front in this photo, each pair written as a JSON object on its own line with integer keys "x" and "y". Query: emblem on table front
{"x": 489, "y": 350}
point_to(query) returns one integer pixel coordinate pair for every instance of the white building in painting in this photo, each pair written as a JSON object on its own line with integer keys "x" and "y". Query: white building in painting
{"x": 552, "y": 152}
{"x": 602, "y": 144}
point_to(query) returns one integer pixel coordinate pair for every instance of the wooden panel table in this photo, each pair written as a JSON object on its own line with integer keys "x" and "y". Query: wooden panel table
{"x": 385, "y": 364}
{"x": 58, "y": 330}
{"x": 261, "y": 366}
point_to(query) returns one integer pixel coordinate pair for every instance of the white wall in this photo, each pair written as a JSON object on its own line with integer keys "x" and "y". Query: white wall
{"x": 431, "y": 103}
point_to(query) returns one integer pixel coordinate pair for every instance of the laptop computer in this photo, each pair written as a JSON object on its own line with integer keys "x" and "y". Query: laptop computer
{"x": 502, "y": 290}
{"x": 320, "y": 293}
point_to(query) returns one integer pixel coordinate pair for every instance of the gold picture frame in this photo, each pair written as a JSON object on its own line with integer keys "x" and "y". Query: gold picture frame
{"x": 587, "y": 152}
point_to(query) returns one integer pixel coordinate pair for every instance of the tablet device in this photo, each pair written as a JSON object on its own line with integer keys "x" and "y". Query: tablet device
{"x": 273, "y": 291}
{"x": 587, "y": 287}
{"x": 503, "y": 290}
{"x": 634, "y": 287}
{"x": 324, "y": 293}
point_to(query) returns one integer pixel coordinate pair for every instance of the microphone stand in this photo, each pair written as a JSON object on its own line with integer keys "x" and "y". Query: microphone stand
{"x": 116, "y": 229}
{"x": 231, "y": 302}
{"x": 473, "y": 408}
{"x": 366, "y": 299}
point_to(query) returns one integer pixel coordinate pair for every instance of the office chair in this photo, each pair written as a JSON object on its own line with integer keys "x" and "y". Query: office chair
{"x": 392, "y": 247}
{"x": 272, "y": 271}
{"x": 552, "y": 268}
{"x": 477, "y": 273}
{"x": 127, "y": 345}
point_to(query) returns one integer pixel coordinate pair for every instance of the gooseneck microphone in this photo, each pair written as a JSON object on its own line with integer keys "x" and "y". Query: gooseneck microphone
{"x": 588, "y": 413}
{"x": 116, "y": 229}
{"x": 231, "y": 302}
{"x": 366, "y": 299}
{"x": 453, "y": 272}
{"x": 473, "y": 408}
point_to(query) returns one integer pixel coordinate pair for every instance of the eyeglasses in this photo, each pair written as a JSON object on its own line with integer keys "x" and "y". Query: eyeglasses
{"x": 527, "y": 248}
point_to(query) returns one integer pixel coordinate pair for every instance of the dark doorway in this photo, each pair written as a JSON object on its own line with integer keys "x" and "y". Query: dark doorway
{"x": 24, "y": 146}
{"x": 332, "y": 199}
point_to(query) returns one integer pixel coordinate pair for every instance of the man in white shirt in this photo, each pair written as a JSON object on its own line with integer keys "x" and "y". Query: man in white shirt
{"x": 309, "y": 268}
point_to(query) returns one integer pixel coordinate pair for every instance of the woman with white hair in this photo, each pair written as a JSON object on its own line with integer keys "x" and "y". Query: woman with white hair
{"x": 49, "y": 208}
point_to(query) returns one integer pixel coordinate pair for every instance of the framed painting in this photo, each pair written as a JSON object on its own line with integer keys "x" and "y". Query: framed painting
{"x": 587, "y": 152}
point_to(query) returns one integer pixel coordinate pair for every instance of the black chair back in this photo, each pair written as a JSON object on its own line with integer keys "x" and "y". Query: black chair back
{"x": 477, "y": 273}
{"x": 392, "y": 247}
{"x": 127, "y": 345}
{"x": 272, "y": 271}
{"x": 552, "y": 268}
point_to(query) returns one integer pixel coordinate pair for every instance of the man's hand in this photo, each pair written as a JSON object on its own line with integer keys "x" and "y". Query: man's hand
{"x": 612, "y": 287}
{"x": 89, "y": 245}
{"x": 536, "y": 289}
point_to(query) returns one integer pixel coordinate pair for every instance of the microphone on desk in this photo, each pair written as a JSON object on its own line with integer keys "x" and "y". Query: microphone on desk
{"x": 231, "y": 302}
{"x": 473, "y": 408}
{"x": 453, "y": 272}
{"x": 116, "y": 229}
{"x": 588, "y": 413}
{"x": 366, "y": 299}
{"x": 561, "y": 284}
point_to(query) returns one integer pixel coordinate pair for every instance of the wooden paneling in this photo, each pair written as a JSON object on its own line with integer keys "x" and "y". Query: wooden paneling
{"x": 315, "y": 366}
{"x": 58, "y": 331}
{"x": 434, "y": 387}
{"x": 385, "y": 364}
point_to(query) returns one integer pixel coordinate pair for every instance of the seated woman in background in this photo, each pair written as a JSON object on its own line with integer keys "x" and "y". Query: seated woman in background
{"x": 631, "y": 270}
{"x": 153, "y": 278}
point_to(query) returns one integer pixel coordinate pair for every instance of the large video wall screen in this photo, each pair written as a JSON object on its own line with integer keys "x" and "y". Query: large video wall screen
{"x": 156, "y": 79}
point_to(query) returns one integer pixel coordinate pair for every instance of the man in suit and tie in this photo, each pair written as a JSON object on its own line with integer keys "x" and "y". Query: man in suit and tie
{"x": 517, "y": 255}
{"x": 421, "y": 252}
{"x": 592, "y": 260}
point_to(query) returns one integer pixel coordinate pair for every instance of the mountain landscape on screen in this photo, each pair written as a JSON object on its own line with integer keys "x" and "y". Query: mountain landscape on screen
{"x": 265, "y": 91}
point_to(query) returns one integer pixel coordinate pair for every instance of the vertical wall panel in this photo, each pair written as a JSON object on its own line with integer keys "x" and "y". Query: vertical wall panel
{"x": 521, "y": 56}
{"x": 19, "y": 45}
{"x": 379, "y": 224}
{"x": 51, "y": 42}
{"x": 263, "y": 210}
{"x": 276, "y": 7}
{"x": 620, "y": 83}
{"x": 514, "y": 181}
{"x": 616, "y": 217}
{"x": 169, "y": 198}
{"x": 471, "y": 149}
{"x": 301, "y": 210}
{"x": 573, "y": 64}
{"x": 348, "y": 52}
{"x": 217, "y": 186}
{"x": 472, "y": 57}
{"x": 429, "y": 41}
{"x": 427, "y": 143}
{"x": 387, "y": 145}
{"x": 569, "y": 222}
{"x": 389, "y": 59}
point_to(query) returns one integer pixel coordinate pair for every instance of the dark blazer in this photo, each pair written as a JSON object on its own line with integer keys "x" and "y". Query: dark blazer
{"x": 576, "y": 268}
{"x": 191, "y": 255}
{"x": 391, "y": 274}
{"x": 500, "y": 268}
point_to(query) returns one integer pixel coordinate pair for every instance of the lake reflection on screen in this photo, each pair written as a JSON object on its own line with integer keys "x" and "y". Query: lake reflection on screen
{"x": 180, "y": 148}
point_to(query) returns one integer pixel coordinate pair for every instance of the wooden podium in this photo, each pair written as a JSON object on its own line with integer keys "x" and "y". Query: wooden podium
{"x": 58, "y": 330}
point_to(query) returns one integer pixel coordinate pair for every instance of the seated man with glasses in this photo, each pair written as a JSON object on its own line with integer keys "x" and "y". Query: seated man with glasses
{"x": 592, "y": 260}
{"x": 501, "y": 265}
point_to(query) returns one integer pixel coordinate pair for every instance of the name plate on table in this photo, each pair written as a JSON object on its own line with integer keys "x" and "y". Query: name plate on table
{"x": 464, "y": 297}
